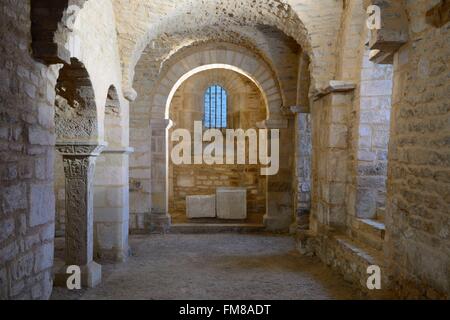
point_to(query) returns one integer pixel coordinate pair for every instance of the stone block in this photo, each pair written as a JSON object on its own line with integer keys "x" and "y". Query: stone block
{"x": 6, "y": 229}
{"x": 13, "y": 198}
{"x": 42, "y": 204}
{"x": 43, "y": 257}
{"x": 201, "y": 206}
{"x": 186, "y": 181}
{"x": 231, "y": 203}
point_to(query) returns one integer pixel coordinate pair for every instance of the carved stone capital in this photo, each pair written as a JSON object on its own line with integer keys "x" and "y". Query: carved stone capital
{"x": 80, "y": 149}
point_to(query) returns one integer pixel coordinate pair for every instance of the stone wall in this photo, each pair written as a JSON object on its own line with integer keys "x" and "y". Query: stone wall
{"x": 418, "y": 215}
{"x": 26, "y": 167}
{"x": 412, "y": 247}
{"x": 246, "y": 108}
{"x": 27, "y": 91}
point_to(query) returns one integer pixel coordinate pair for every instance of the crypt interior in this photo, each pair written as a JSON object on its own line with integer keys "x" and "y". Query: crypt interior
{"x": 93, "y": 93}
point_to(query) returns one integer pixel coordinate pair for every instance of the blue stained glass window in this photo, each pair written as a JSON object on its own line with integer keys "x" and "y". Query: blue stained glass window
{"x": 215, "y": 113}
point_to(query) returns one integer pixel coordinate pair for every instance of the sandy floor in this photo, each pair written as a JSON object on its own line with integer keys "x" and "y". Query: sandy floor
{"x": 215, "y": 266}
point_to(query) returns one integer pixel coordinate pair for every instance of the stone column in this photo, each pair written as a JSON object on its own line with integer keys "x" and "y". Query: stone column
{"x": 79, "y": 164}
{"x": 159, "y": 218}
{"x": 279, "y": 200}
{"x": 302, "y": 183}
{"x": 111, "y": 202}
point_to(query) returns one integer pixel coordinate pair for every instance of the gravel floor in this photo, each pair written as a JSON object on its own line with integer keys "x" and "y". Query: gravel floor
{"x": 215, "y": 266}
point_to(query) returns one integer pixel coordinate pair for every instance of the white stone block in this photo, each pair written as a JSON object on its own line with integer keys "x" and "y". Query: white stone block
{"x": 201, "y": 206}
{"x": 231, "y": 203}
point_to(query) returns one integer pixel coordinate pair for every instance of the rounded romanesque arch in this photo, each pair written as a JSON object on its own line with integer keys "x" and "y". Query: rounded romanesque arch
{"x": 210, "y": 15}
{"x": 243, "y": 108}
{"x": 229, "y": 57}
{"x": 173, "y": 74}
{"x": 76, "y": 110}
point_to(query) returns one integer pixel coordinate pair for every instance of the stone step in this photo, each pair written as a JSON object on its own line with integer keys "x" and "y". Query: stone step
{"x": 354, "y": 258}
{"x": 371, "y": 232}
{"x": 359, "y": 251}
{"x": 216, "y": 228}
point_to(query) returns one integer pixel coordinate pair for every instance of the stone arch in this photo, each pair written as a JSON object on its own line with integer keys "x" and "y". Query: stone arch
{"x": 173, "y": 74}
{"x": 228, "y": 13}
{"x": 245, "y": 109}
{"x": 229, "y": 57}
{"x": 233, "y": 83}
{"x": 76, "y": 110}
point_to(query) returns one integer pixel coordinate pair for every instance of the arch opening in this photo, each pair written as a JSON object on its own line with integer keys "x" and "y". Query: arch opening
{"x": 188, "y": 183}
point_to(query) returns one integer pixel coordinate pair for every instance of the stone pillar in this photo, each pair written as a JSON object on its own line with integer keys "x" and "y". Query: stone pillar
{"x": 79, "y": 164}
{"x": 279, "y": 200}
{"x": 302, "y": 182}
{"x": 331, "y": 110}
{"x": 159, "y": 218}
{"x": 111, "y": 205}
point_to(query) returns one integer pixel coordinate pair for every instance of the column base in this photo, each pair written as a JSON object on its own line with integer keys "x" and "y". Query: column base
{"x": 280, "y": 224}
{"x": 112, "y": 255}
{"x": 159, "y": 222}
{"x": 91, "y": 276}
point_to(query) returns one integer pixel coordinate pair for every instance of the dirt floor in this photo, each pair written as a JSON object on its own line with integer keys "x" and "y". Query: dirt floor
{"x": 215, "y": 266}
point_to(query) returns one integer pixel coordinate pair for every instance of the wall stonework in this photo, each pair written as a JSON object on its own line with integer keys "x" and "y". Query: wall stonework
{"x": 418, "y": 215}
{"x": 26, "y": 146}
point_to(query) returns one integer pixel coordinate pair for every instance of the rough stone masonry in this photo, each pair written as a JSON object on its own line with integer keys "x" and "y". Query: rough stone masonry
{"x": 363, "y": 116}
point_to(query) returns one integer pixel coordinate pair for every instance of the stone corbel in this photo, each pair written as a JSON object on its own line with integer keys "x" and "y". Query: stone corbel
{"x": 130, "y": 94}
{"x": 393, "y": 34}
{"x": 335, "y": 86}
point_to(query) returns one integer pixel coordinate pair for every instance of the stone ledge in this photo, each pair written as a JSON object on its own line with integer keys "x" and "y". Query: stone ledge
{"x": 118, "y": 150}
{"x": 370, "y": 232}
{"x": 351, "y": 258}
{"x": 335, "y": 86}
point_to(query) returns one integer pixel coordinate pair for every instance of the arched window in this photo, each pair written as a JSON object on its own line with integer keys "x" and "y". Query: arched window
{"x": 215, "y": 113}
